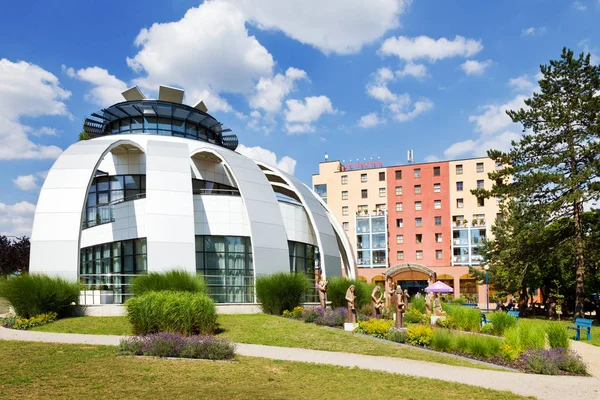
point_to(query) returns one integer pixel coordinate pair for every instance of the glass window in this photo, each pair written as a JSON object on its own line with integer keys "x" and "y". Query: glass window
{"x": 498, "y": 165}
{"x": 417, "y": 206}
{"x": 417, "y": 189}
{"x": 419, "y": 238}
{"x": 382, "y": 177}
{"x": 363, "y": 194}
{"x": 363, "y": 178}
{"x": 438, "y": 220}
{"x": 399, "y": 207}
{"x": 363, "y": 242}
{"x": 378, "y": 224}
{"x": 438, "y": 254}
{"x": 480, "y": 184}
{"x": 417, "y": 172}
{"x": 460, "y": 203}
{"x": 398, "y": 174}
{"x": 438, "y": 238}
{"x": 344, "y": 179}
{"x": 459, "y": 169}
{"x": 346, "y": 226}
{"x": 321, "y": 190}
{"x": 459, "y": 186}
{"x": 363, "y": 209}
{"x": 379, "y": 257}
{"x": 437, "y": 187}
{"x": 399, "y": 239}
{"x": 419, "y": 221}
{"x": 362, "y": 225}
{"x": 364, "y": 257}
{"x": 436, "y": 171}
{"x": 419, "y": 254}
{"x": 479, "y": 167}
{"x": 398, "y": 190}
{"x": 381, "y": 192}
{"x": 379, "y": 241}
{"x": 399, "y": 255}
{"x": 345, "y": 210}
{"x": 437, "y": 204}
{"x": 344, "y": 195}
{"x": 480, "y": 202}
{"x": 399, "y": 223}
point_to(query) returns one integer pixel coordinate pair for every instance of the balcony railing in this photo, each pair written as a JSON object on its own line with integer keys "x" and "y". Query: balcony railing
{"x": 463, "y": 223}
{"x": 104, "y": 213}
{"x": 374, "y": 213}
{"x": 461, "y": 259}
{"x": 218, "y": 192}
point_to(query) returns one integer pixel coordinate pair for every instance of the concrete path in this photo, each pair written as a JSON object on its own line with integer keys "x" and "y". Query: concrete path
{"x": 590, "y": 355}
{"x": 540, "y": 386}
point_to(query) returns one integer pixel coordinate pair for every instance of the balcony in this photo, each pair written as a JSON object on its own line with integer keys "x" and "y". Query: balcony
{"x": 461, "y": 259}
{"x": 366, "y": 213}
{"x": 459, "y": 242}
{"x": 104, "y": 213}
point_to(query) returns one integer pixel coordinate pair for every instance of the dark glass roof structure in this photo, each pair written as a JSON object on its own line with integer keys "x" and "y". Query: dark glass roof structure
{"x": 161, "y": 118}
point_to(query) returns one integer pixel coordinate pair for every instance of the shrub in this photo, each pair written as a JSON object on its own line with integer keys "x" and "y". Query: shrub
{"x": 464, "y": 318}
{"x": 508, "y": 352}
{"x": 483, "y": 346}
{"x": 8, "y": 321}
{"x": 532, "y": 337}
{"x": 501, "y": 322}
{"x": 38, "y": 320}
{"x": 336, "y": 292}
{"x": 310, "y": 314}
{"x": 176, "y": 345}
{"x": 420, "y": 335}
{"x": 335, "y": 317}
{"x": 281, "y": 291}
{"x": 34, "y": 294}
{"x": 558, "y": 337}
{"x": 176, "y": 312}
{"x": 174, "y": 280}
{"x": 443, "y": 340}
{"x": 418, "y": 303}
{"x": 295, "y": 313}
{"x": 414, "y": 316}
{"x": 549, "y": 362}
{"x": 444, "y": 323}
{"x": 397, "y": 335}
{"x": 375, "y": 327}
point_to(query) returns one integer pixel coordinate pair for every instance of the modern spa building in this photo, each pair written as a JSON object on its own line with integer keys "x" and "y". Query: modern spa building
{"x": 160, "y": 186}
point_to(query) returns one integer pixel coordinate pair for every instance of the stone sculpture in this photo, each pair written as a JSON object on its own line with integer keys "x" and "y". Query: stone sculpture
{"x": 351, "y": 299}
{"x": 322, "y": 288}
{"x": 390, "y": 291}
{"x": 376, "y": 302}
{"x": 437, "y": 307}
{"x": 428, "y": 303}
{"x": 401, "y": 301}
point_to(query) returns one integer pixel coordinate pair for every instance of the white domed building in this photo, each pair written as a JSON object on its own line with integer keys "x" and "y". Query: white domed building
{"x": 160, "y": 186}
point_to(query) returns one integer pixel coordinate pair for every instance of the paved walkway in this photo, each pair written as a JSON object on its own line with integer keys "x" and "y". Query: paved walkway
{"x": 540, "y": 386}
{"x": 590, "y": 355}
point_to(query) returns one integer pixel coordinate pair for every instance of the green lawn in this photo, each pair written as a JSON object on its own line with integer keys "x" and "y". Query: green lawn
{"x": 271, "y": 331}
{"x": 595, "y": 328}
{"x": 43, "y": 370}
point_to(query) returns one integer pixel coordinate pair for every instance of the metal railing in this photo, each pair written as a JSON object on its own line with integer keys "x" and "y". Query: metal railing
{"x": 105, "y": 288}
{"x": 104, "y": 213}
{"x": 221, "y": 192}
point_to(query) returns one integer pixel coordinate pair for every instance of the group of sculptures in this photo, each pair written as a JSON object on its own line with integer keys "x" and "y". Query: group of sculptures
{"x": 396, "y": 298}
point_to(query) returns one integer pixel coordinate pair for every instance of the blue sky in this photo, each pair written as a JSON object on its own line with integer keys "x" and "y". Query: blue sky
{"x": 293, "y": 79}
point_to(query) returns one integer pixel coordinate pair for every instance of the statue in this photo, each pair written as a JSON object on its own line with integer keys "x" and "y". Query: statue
{"x": 437, "y": 307}
{"x": 401, "y": 301}
{"x": 391, "y": 291}
{"x": 376, "y": 302}
{"x": 351, "y": 299}
{"x": 322, "y": 288}
{"x": 428, "y": 303}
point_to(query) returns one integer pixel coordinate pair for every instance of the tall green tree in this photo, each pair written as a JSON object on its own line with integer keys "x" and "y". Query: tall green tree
{"x": 83, "y": 135}
{"x": 554, "y": 169}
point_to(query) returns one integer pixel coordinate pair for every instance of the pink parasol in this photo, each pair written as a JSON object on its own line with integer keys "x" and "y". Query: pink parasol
{"x": 439, "y": 287}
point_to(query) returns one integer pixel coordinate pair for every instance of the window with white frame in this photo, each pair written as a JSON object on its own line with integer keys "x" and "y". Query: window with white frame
{"x": 419, "y": 221}
{"x": 399, "y": 223}
{"x": 479, "y": 167}
{"x": 417, "y": 206}
{"x": 437, "y": 187}
{"x": 438, "y": 254}
{"x": 363, "y": 178}
{"x": 399, "y": 255}
{"x": 480, "y": 184}
{"x": 345, "y": 210}
{"x": 399, "y": 239}
{"x": 399, "y": 206}
{"x": 417, "y": 172}
{"x": 459, "y": 169}
{"x": 381, "y": 192}
{"x": 460, "y": 203}
{"x": 344, "y": 195}
{"x": 344, "y": 179}
{"x": 438, "y": 220}
{"x": 398, "y": 190}
{"x": 417, "y": 189}
{"x": 437, "y": 204}
{"x": 438, "y": 238}
{"x": 346, "y": 226}
{"x": 419, "y": 254}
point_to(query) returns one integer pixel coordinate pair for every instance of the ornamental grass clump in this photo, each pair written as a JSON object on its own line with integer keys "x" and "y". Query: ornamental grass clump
{"x": 176, "y": 345}
{"x": 336, "y": 292}
{"x": 417, "y": 303}
{"x": 443, "y": 340}
{"x": 397, "y": 335}
{"x": 177, "y": 312}
{"x": 174, "y": 281}
{"x": 34, "y": 294}
{"x": 558, "y": 337}
{"x": 332, "y": 317}
{"x": 500, "y": 322}
{"x": 478, "y": 345}
{"x": 281, "y": 291}
{"x": 464, "y": 318}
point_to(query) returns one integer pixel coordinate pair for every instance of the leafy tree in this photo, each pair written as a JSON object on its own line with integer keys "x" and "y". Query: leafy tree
{"x": 554, "y": 169}
{"x": 14, "y": 254}
{"x": 83, "y": 135}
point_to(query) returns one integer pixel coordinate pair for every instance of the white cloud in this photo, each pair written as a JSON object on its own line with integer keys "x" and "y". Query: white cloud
{"x": 333, "y": 26}
{"x": 521, "y": 83}
{"x": 16, "y": 219}
{"x": 431, "y": 158}
{"x": 381, "y": 92}
{"x": 207, "y": 52}
{"x": 480, "y": 146}
{"x": 106, "y": 89}
{"x": 27, "y": 90}
{"x": 418, "y": 71}
{"x": 405, "y": 113}
{"x": 532, "y": 31}
{"x": 594, "y": 58}
{"x": 424, "y": 47}
{"x": 44, "y": 131}
{"x": 494, "y": 117}
{"x": 474, "y": 67}
{"x": 285, "y": 163}
{"x": 579, "y": 6}
{"x": 270, "y": 92}
{"x": 370, "y": 120}
{"x": 300, "y": 114}
{"x": 26, "y": 182}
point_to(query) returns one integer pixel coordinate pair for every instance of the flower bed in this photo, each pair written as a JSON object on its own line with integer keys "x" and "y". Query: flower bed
{"x": 176, "y": 345}
{"x": 14, "y": 322}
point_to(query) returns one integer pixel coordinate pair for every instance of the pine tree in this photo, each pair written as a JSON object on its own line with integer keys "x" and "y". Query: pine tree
{"x": 554, "y": 169}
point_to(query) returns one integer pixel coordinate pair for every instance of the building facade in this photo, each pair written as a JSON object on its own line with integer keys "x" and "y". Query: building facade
{"x": 159, "y": 186}
{"x": 434, "y": 224}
